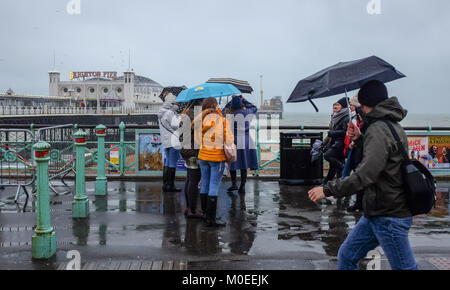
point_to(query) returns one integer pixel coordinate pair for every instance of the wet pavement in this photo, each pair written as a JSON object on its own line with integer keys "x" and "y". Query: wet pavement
{"x": 272, "y": 227}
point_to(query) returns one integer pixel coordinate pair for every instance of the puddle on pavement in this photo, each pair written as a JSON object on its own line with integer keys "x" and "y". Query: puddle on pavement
{"x": 269, "y": 219}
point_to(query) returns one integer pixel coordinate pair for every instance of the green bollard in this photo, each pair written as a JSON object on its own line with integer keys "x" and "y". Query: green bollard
{"x": 122, "y": 149}
{"x": 80, "y": 204}
{"x": 101, "y": 184}
{"x": 43, "y": 242}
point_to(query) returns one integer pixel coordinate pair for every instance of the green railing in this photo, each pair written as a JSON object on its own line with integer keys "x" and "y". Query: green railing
{"x": 124, "y": 141}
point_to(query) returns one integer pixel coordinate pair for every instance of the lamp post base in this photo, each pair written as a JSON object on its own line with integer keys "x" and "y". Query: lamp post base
{"x": 101, "y": 187}
{"x": 80, "y": 208}
{"x": 43, "y": 245}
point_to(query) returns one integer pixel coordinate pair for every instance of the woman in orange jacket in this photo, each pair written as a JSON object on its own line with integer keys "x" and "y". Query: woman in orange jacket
{"x": 212, "y": 131}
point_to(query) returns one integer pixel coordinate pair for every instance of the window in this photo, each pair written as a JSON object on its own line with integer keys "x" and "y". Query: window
{"x": 105, "y": 90}
{"x": 92, "y": 90}
{"x": 78, "y": 90}
{"x": 65, "y": 90}
{"x": 119, "y": 90}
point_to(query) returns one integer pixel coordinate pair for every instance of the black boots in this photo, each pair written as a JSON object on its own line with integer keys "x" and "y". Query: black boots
{"x": 166, "y": 174}
{"x": 169, "y": 180}
{"x": 211, "y": 213}
{"x": 233, "y": 187}
{"x": 204, "y": 204}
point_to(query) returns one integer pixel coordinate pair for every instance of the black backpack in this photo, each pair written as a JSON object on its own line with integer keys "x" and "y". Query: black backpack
{"x": 420, "y": 185}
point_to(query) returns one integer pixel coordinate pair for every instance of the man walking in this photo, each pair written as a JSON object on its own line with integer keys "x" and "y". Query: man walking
{"x": 387, "y": 217}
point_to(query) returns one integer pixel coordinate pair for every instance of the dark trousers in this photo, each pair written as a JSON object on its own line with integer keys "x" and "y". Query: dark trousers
{"x": 335, "y": 156}
{"x": 233, "y": 174}
{"x": 191, "y": 188}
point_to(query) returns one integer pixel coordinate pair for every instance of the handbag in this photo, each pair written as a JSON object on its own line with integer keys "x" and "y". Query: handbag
{"x": 230, "y": 150}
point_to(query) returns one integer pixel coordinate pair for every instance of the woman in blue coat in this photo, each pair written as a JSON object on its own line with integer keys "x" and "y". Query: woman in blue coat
{"x": 243, "y": 112}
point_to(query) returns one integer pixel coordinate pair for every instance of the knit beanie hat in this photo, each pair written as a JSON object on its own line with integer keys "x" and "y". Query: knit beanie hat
{"x": 236, "y": 102}
{"x": 354, "y": 101}
{"x": 169, "y": 98}
{"x": 372, "y": 93}
{"x": 343, "y": 102}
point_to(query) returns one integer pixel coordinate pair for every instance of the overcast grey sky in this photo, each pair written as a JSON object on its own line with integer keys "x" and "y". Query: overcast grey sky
{"x": 186, "y": 42}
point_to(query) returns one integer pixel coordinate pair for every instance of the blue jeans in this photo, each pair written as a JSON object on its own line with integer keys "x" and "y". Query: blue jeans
{"x": 171, "y": 156}
{"x": 390, "y": 233}
{"x": 212, "y": 173}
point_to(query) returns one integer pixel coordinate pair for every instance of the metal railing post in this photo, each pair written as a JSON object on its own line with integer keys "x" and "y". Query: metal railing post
{"x": 43, "y": 242}
{"x": 101, "y": 184}
{"x": 80, "y": 204}
{"x": 258, "y": 147}
{"x": 122, "y": 149}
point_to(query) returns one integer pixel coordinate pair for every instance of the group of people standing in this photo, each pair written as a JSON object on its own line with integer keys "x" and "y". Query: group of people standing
{"x": 200, "y": 131}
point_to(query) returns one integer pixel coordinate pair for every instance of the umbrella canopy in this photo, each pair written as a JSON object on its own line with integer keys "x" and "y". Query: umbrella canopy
{"x": 243, "y": 86}
{"x": 207, "y": 90}
{"x": 174, "y": 90}
{"x": 344, "y": 77}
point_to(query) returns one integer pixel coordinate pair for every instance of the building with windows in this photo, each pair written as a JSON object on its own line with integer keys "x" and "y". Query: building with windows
{"x": 106, "y": 89}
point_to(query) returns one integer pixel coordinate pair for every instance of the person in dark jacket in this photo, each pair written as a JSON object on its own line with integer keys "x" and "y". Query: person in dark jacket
{"x": 190, "y": 154}
{"x": 243, "y": 112}
{"x": 387, "y": 217}
{"x": 335, "y": 151}
{"x": 356, "y": 157}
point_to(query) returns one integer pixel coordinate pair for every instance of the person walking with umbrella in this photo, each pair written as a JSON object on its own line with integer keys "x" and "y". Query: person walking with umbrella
{"x": 214, "y": 134}
{"x": 334, "y": 154}
{"x": 387, "y": 216}
{"x": 243, "y": 112}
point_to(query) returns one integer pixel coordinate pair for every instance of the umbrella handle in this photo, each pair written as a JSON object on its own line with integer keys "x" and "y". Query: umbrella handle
{"x": 314, "y": 105}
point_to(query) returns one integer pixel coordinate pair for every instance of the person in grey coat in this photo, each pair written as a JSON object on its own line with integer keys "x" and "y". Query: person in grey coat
{"x": 169, "y": 123}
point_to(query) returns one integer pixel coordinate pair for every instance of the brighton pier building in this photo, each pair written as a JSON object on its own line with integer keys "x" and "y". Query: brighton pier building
{"x": 107, "y": 89}
{"x": 89, "y": 90}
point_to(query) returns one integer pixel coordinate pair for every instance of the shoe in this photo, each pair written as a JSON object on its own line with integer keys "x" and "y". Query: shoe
{"x": 171, "y": 181}
{"x": 233, "y": 187}
{"x": 211, "y": 213}
{"x": 204, "y": 204}
{"x": 242, "y": 189}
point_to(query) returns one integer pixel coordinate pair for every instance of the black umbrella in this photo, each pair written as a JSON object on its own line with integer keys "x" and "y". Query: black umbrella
{"x": 243, "y": 86}
{"x": 343, "y": 77}
{"x": 174, "y": 90}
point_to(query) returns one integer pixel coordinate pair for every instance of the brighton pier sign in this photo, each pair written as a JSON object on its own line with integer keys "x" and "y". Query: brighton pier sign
{"x": 106, "y": 74}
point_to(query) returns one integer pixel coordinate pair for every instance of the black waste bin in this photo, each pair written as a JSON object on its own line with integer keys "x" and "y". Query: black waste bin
{"x": 296, "y": 167}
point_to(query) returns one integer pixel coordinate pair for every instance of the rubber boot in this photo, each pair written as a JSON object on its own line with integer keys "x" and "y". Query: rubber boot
{"x": 211, "y": 213}
{"x": 233, "y": 186}
{"x": 165, "y": 178}
{"x": 171, "y": 181}
{"x": 243, "y": 182}
{"x": 204, "y": 204}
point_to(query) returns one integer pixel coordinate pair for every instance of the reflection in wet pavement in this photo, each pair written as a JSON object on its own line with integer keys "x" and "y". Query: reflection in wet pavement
{"x": 271, "y": 221}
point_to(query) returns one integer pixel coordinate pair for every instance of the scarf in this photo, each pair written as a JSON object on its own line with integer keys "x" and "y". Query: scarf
{"x": 336, "y": 117}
